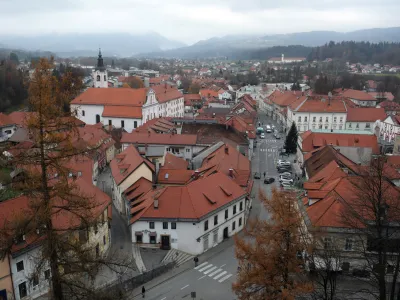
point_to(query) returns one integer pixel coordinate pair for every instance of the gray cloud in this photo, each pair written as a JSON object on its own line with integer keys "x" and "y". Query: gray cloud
{"x": 190, "y": 20}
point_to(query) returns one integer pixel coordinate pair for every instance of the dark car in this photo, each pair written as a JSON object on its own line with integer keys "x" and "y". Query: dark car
{"x": 257, "y": 175}
{"x": 284, "y": 169}
{"x": 269, "y": 180}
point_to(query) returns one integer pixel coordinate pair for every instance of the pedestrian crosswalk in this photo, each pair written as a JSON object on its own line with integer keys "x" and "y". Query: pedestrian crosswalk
{"x": 269, "y": 150}
{"x": 214, "y": 272}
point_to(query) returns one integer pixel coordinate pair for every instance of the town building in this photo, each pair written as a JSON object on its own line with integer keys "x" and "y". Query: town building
{"x": 279, "y": 101}
{"x": 390, "y": 107}
{"x": 359, "y": 146}
{"x": 191, "y": 218}
{"x": 315, "y": 112}
{"x": 364, "y": 118}
{"x": 285, "y": 60}
{"x": 126, "y": 169}
{"x": 387, "y": 131}
{"x": 360, "y": 98}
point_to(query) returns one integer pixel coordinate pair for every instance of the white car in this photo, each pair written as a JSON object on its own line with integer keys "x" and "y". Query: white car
{"x": 284, "y": 163}
{"x": 262, "y": 135}
{"x": 286, "y": 174}
{"x": 286, "y": 179}
{"x": 268, "y": 128}
{"x": 286, "y": 185}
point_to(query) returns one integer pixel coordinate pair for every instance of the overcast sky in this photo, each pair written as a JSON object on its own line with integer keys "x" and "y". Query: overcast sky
{"x": 190, "y": 20}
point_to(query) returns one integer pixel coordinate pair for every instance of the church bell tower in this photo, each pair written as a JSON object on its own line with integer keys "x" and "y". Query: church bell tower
{"x": 100, "y": 76}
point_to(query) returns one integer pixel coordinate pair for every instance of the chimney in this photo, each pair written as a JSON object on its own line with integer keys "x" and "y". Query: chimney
{"x": 155, "y": 203}
{"x": 226, "y": 149}
{"x": 196, "y": 174}
{"x": 231, "y": 172}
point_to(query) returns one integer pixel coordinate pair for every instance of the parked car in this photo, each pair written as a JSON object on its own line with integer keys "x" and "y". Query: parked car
{"x": 283, "y": 153}
{"x": 257, "y": 175}
{"x": 281, "y": 161}
{"x": 285, "y": 179}
{"x": 278, "y": 136}
{"x": 287, "y": 174}
{"x": 273, "y": 126}
{"x": 269, "y": 180}
{"x": 286, "y": 185}
{"x": 268, "y": 129}
{"x": 284, "y": 164}
{"x": 284, "y": 169}
{"x": 262, "y": 135}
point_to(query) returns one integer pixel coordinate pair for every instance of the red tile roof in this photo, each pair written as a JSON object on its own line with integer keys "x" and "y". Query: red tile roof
{"x": 365, "y": 114}
{"x": 313, "y": 140}
{"x": 284, "y": 99}
{"x": 158, "y": 139}
{"x": 174, "y": 176}
{"x": 139, "y": 188}
{"x": 192, "y": 201}
{"x": 319, "y": 104}
{"x": 127, "y": 162}
{"x": 227, "y": 157}
{"x": 156, "y": 125}
{"x": 112, "y": 96}
{"x": 389, "y": 105}
{"x": 122, "y": 111}
{"x": 357, "y": 95}
{"x": 192, "y": 97}
{"x": 165, "y": 93}
{"x": 5, "y": 120}
{"x": 389, "y": 96}
{"x": 173, "y": 162}
{"x": 19, "y": 117}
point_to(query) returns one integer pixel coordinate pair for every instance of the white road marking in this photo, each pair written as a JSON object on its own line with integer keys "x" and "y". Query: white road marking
{"x": 205, "y": 268}
{"x": 209, "y": 270}
{"x": 199, "y": 266}
{"x": 164, "y": 298}
{"x": 202, "y": 277}
{"x": 220, "y": 274}
{"x": 222, "y": 265}
{"x": 184, "y": 287}
{"x": 225, "y": 278}
{"x": 215, "y": 272}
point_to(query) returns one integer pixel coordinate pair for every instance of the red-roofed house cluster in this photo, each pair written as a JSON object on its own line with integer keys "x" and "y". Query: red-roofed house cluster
{"x": 176, "y": 204}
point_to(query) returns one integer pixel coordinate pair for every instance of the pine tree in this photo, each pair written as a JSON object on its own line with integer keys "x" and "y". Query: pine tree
{"x": 291, "y": 139}
{"x": 268, "y": 254}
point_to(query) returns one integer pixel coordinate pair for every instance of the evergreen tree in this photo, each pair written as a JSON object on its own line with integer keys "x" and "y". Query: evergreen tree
{"x": 291, "y": 139}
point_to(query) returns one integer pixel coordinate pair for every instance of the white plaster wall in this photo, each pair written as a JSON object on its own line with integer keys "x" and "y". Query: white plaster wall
{"x": 186, "y": 234}
{"x": 361, "y": 126}
{"x": 90, "y": 112}
{"x": 129, "y": 125}
{"x": 103, "y": 83}
{"x": 30, "y": 259}
{"x": 327, "y": 120}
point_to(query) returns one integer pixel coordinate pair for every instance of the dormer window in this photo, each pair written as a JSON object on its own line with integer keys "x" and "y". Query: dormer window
{"x": 98, "y": 77}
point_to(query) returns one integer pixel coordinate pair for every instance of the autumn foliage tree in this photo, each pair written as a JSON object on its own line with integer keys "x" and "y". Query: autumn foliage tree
{"x": 268, "y": 254}
{"x": 55, "y": 195}
{"x": 135, "y": 82}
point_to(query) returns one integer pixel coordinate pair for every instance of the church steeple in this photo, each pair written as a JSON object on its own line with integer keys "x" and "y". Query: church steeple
{"x": 100, "y": 62}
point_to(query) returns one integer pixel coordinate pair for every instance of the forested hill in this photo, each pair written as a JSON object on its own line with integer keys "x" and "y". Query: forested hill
{"x": 358, "y": 52}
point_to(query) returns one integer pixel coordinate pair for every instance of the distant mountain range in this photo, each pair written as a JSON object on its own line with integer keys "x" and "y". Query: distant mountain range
{"x": 236, "y": 46}
{"x": 74, "y": 44}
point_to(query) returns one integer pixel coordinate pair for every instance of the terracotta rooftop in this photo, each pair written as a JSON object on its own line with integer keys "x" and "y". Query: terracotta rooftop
{"x": 357, "y": 95}
{"x": 151, "y": 138}
{"x": 389, "y": 105}
{"x": 115, "y": 96}
{"x": 319, "y": 104}
{"x": 165, "y": 93}
{"x": 127, "y": 162}
{"x": 134, "y": 112}
{"x": 389, "y": 96}
{"x": 174, "y": 176}
{"x": 156, "y": 125}
{"x": 173, "y": 162}
{"x": 192, "y": 201}
{"x": 313, "y": 140}
{"x": 138, "y": 189}
{"x": 365, "y": 114}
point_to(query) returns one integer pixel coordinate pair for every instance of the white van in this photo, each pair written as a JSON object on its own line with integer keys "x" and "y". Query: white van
{"x": 268, "y": 129}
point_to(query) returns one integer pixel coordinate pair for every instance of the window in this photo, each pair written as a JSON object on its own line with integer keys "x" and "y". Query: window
{"x": 216, "y": 220}
{"x": 327, "y": 119}
{"x": 226, "y": 214}
{"x": 305, "y": 119}
{"x": 241, "y": 205}
{"x": 20, "y": 266}
{"x": 234, "y": 209}
{"x": 122, "y": 123}
{"x": 349, "y": 245}
{"x": 234, "y": 225}
{"x": 320, "y": 119}
{"x": 165, "y": 225}
{"x": 96, "y": 229}
{"x": 151, "y": 225}
{"x": 314, "y": 119}
{"x": 327, "y": 243}
{"x": 134, "y": 124}
{"x": 367, "y": 125}
{"x": 83, "y": 236}
{"x": 340, "y": 127}
{"x": 298, "y": 128}
{"x": 341, "y": 119}
{"x": 240, "y": 222}
{"x": 299, "y": 119}
{"x": 97, "y": 250}
{"x": 98, "y": 77}
{"x": 326, "y": 126}
{"x": 35, "y": 280}
{"x": 105, "y": 78}
{"x": 320, "y": 126}
{"x": 334, "y": 119}
{"x": 349, "y": 125}
{"x": 110, "y": 122}
{"x": 173, "y": 225}
{"x": 83, "y": 113}
{"x": 313, "y": 127}
{"x": 206, "y": 225}
{"x": 47, "y": 274}
{"x": 23, "y": 292}
{"x": 357, "y": 126}
{"x": 187, "y": 150}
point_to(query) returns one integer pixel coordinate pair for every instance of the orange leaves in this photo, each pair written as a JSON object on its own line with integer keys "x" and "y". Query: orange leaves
{"x": 267, "y": 254}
